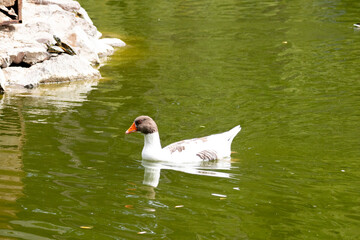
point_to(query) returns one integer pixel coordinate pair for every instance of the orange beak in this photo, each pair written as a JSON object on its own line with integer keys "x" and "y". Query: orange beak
{"x": 131, "y": 129}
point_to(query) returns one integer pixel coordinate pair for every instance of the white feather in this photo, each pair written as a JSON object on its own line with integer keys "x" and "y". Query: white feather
{"x": 217, "y": 146}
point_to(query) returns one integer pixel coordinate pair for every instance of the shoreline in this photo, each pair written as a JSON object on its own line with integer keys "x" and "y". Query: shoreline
{"x": 26, "y": 62}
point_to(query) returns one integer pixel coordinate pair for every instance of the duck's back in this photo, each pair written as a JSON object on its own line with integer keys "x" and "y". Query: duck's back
{"x": 212, "y": 147}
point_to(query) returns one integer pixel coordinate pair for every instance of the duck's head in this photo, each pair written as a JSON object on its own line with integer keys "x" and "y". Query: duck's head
{"x": 143, "y": 124}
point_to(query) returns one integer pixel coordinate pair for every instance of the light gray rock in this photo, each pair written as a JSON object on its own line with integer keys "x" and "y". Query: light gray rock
{"x": 29, "y": 55}
{"x": 24, "y": 44}
{"x": 85, "y": 16}
{"x": 2, "y": 81}
{"x": 7, "y": 3}
{"x": 33, "y": 56}
{"x": 8, "y": 11}
{"x": 114, "y": 42}
{"x": 4, "y": 61}
{"x": 103, "y": 49}
{"x": 4, "y": 18}
{"x": 63, "y": 68}
{"x": 67, "y": 5}
{"x": 12, "y": 52}
{"x": 84, "y": 44}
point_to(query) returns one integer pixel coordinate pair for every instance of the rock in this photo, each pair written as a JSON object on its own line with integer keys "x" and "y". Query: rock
{"x": 105, "y": 50}
{"x": 8, "y": 11}
{"x": 4, "y": 18}
{"x": 84, "y": 44}
{"x": 24, "y": 44}
{"x": 12, "y": 52}
{"x": 63, "y": 68}
{"x": 7, "y": 3}
{"x": 67, "y": 5}
{"x": 102, "y": 47}
{"x": 114, "y": 42}
{"x": 33, "y": 55}
{"x": 28, "y": 55}
{"x": 2, "y": 81}
{"x": 4, "y": 61}
{"x": 83, "y": 14}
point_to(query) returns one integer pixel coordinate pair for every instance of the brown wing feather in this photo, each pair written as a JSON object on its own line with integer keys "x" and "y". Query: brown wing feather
{"x": 184, "y": 145}
{"x": 207, "y": 155}
{"x": 176, "y": 147}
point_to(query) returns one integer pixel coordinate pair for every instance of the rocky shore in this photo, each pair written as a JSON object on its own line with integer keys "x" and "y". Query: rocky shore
{"x": 25, "y": 60}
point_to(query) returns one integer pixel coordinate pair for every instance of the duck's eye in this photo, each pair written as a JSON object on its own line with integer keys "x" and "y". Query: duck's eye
{"x": 137, "y": 122}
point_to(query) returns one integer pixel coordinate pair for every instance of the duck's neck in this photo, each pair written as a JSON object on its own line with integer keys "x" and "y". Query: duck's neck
{"x": 153, "y": 140}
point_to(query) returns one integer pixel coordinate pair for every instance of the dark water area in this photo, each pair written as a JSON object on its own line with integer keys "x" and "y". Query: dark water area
{"x": 286, "y": 71}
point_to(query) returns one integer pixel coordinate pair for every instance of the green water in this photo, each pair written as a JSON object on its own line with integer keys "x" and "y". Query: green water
{"x": 287, "y": 71}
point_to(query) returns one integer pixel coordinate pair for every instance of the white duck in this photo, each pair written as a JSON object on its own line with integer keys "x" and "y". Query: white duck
{"x": 217, "y": 146}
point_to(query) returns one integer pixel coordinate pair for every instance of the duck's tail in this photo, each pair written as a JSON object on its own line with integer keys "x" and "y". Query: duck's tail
{"x": 230, "y": 135}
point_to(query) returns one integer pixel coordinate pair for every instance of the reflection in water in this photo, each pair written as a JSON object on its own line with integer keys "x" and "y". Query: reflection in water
{"x": 153, "y": 169}
{"x": 62, "y": 96}
{"x": 15, "y": 111}
{"x": 12, "y": 133}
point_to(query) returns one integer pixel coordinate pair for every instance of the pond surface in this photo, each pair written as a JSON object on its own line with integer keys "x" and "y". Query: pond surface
{"x": 286, "y": 71}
